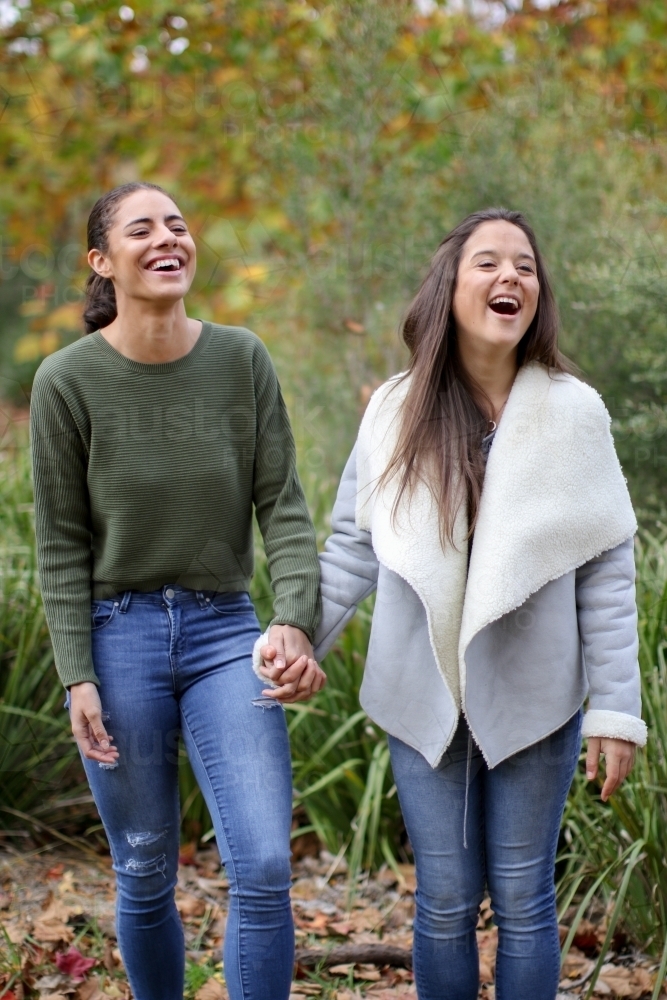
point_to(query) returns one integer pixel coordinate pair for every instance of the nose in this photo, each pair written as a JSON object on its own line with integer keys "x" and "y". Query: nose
{"x": 510, "y": 275}
{"x": 165, "y": 237}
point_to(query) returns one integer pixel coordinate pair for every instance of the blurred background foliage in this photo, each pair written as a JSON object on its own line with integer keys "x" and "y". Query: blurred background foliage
{"x": 320, "y": 151}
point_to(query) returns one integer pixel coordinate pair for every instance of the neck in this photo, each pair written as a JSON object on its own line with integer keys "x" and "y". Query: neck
{"x": 151, "y": 334}
{"x": 493, "y": 373}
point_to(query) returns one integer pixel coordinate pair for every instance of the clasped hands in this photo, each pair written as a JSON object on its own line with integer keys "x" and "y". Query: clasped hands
{"x": 289, "y": 663}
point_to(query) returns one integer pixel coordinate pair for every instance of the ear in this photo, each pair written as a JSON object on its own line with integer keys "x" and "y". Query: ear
{"x": 100, "y": 264}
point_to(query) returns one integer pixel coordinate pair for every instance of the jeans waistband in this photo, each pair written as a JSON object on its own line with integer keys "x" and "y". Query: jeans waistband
{"x": 170, "y": 593}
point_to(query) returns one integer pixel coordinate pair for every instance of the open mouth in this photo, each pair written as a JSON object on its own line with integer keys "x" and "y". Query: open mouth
{"x": 505, "y": 305}
{"x": 165, "y": 264}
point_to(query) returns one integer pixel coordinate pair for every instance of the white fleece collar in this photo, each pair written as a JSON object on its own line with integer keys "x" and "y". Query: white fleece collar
{"x": 554, "y": 497}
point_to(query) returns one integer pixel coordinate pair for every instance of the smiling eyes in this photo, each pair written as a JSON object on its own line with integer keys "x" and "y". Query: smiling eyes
{"x": 177, "y": 228}
{"x": 524, "y": 267}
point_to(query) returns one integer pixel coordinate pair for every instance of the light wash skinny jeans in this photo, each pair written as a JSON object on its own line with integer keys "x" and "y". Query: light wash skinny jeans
{"x": 178, "y": 662}
{"x": 512, "y": 819}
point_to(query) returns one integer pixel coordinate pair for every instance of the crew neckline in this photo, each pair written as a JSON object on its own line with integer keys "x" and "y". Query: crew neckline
{"x": 159, "y": 367}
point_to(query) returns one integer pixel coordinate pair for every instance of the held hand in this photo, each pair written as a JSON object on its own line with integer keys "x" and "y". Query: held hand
{"x": 89, "y": 732}
{"x": 619, "y": 758}
{"x": 289, "y": 663}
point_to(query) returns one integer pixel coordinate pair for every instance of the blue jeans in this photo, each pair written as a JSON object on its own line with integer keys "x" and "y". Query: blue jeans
{"x": 511, "y": 831}
{"x": 175, "y": 662}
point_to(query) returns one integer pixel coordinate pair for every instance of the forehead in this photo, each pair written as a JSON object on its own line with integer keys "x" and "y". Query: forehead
{"x": 144, "y": 204}
{"x": 503, "y": 237}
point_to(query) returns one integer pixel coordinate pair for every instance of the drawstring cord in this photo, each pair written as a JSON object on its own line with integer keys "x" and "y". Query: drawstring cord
{"x": 465, "y": 807}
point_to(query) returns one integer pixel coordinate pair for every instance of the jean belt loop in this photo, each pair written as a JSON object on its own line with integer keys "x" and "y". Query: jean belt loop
{"x": 125, "y": 602}
{"x": 201, "y": 599}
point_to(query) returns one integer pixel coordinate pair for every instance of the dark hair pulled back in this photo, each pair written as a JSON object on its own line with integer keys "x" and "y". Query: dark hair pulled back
{"x": 100, "y": 306}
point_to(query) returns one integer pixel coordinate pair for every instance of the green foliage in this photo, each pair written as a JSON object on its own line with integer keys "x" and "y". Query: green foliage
{"x": 617, "y": 851}
{"x": 41, "y": 774}
{"x": 342, "y": 775}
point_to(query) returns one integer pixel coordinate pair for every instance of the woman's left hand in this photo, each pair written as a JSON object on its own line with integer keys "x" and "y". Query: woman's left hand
{"x": 619, "y": 757}
{"x": 289, "y": 663}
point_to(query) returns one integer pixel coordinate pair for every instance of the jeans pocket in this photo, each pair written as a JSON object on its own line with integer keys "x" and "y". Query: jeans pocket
{"x": 236, "y": 603}
{"x": 101, "y": 613}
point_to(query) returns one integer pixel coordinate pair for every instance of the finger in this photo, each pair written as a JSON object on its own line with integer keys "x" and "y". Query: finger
{"x": 272, "y": 672}
{"x": 592, "y": 757}
{"x": 91, "y": 749}
{"x": 612, "y": 779}
{"x": 283, "y": 693}
{"x": 293, "y": 673}
{"x": 308, "y": 677}
{"x": 98, "y": 731}
{"x": 277, "y": 639}
{"x": 268, "y": 652}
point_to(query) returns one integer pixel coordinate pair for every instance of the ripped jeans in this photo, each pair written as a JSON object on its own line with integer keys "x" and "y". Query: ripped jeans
{"x": 178, "y": 663}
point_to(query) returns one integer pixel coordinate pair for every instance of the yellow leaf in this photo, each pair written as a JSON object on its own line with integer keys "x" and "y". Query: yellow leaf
{"x": 27, "y": 348}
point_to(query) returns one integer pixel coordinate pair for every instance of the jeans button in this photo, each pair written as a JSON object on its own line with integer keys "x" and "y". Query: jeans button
{"x": 169, "y": 593}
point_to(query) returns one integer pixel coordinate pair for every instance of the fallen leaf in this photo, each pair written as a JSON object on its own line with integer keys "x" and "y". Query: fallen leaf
{"x": 340, "y": 970}
{"x": 370, "y": 973}
{"x": 91, "y": 991}
{"x": 622, "y": 982}
{"x": 342, "y": 927}
{"x": 189, "y": 905}
{"x": 314, "y": 923}
{"x": 51, "y": 929}
{"x": 212, "y": 990}
{"x": 575, "y": 966}
{"x": 56, "y": 871}
{"x": 74, "y": 964}
{"x": 46, "y": 984}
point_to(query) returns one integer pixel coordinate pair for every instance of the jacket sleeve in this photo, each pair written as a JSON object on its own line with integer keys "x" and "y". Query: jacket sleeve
{"x": 348, "y": 565}
{"x": 607, "y": 613}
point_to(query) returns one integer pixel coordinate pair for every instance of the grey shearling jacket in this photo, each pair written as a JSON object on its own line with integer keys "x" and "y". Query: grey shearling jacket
{"x": 528, "y": 672}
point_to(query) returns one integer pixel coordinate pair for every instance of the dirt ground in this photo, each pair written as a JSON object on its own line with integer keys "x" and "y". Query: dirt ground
{"x": 57, "y": 934}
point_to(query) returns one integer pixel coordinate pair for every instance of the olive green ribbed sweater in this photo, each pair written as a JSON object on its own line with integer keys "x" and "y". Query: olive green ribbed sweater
{"x": 146, "y": 474}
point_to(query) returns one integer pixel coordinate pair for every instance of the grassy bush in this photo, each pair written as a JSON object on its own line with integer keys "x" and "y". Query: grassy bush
{"x": 40, "y": 771}
{"x": 616, "y": 852}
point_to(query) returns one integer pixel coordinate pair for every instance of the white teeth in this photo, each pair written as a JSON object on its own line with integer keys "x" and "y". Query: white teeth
{"x": 504, "y": 298}
{"x": 167, "y": 262}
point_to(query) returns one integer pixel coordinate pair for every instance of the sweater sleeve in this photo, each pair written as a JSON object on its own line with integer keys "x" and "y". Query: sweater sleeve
{"x": 607, "y": 613}
{"x": 281, "y": 509}
{"x": 62, "y": 522}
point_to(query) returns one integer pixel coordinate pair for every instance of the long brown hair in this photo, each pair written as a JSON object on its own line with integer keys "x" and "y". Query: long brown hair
{"x": 445, "y": 413}
{"x": 100, "y": 306}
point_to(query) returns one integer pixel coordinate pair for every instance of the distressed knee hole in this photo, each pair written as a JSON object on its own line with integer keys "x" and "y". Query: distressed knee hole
{"x": 151, "y": 867}
{"x": 143, "y": 839}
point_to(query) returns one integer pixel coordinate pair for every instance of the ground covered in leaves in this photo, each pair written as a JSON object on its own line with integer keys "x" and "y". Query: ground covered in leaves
{"x": 58, "y": 939}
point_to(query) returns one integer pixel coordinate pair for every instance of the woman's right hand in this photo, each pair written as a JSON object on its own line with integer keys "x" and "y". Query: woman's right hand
{"x": 89, "y": 732}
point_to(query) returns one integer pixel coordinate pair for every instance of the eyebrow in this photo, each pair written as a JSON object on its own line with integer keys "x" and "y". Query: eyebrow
{"x": 167, "y": 218}
{"x": 528, "y": 256}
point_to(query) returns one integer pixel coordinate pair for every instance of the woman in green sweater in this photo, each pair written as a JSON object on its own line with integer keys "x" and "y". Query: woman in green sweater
{"x": 153, "y": 438}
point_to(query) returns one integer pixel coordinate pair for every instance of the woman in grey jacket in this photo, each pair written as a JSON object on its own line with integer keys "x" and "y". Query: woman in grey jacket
{"x": 485, "y": 503}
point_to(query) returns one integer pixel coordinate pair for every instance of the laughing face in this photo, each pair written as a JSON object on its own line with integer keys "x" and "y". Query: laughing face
{"x": 496, "y": 290}
{"x": 151, "y": 254}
